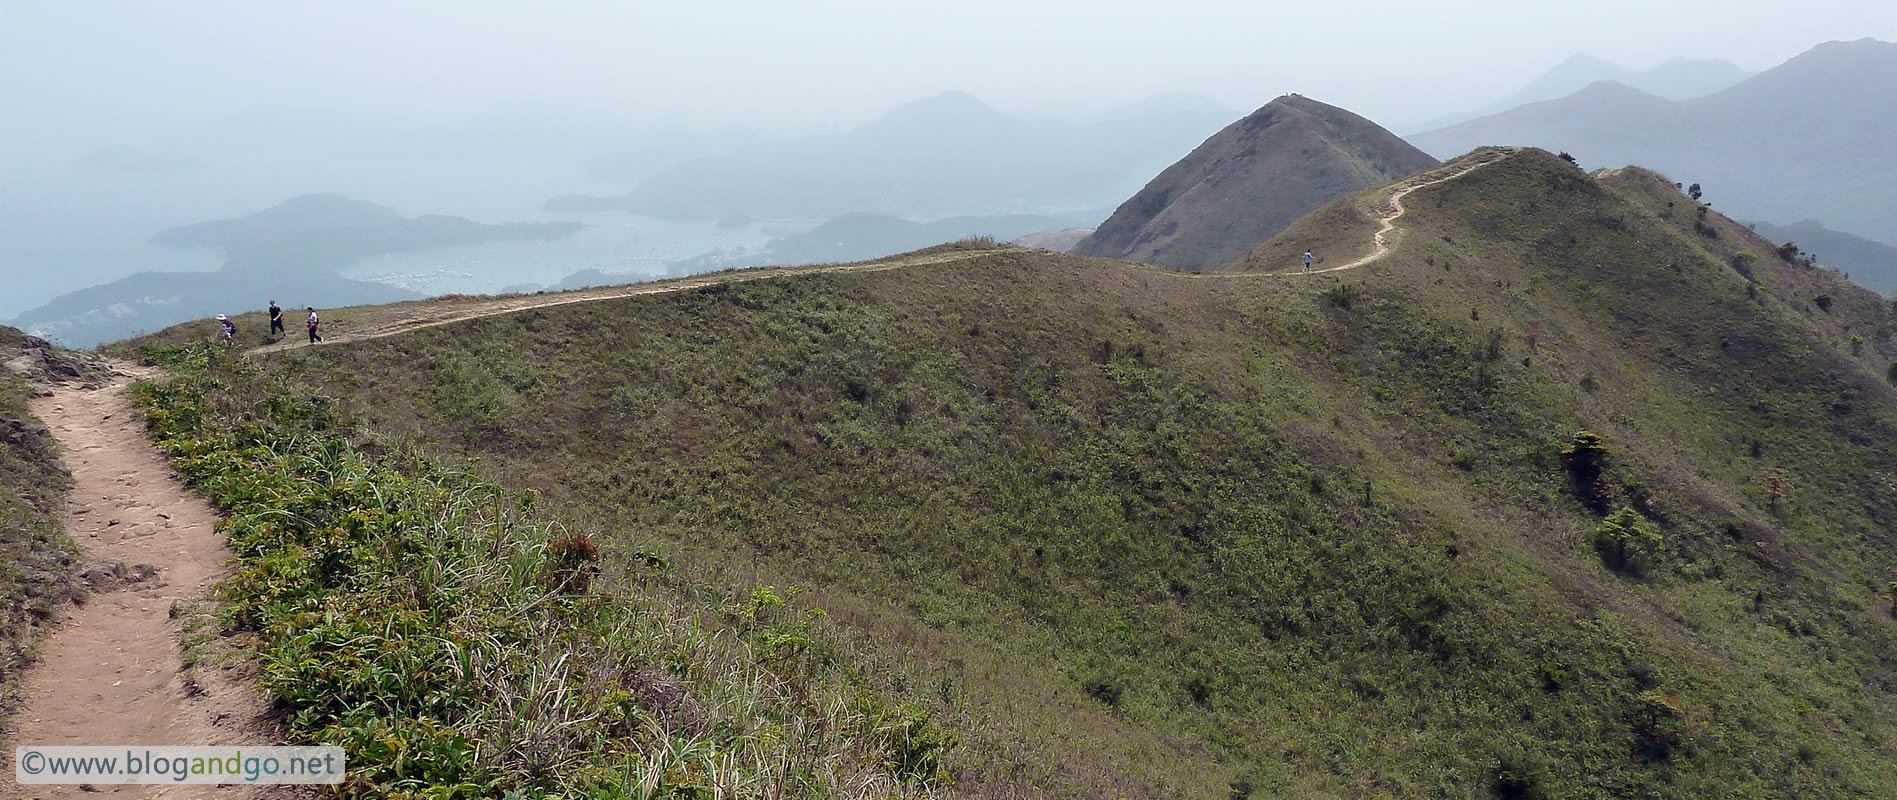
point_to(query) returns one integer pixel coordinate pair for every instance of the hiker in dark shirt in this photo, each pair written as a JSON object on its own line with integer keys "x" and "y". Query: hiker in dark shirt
{"x": 276, "y": 319}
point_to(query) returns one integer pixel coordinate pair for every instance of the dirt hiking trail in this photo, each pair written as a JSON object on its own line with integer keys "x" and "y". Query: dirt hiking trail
{"x": 112, "y": 673}
{"x": 425, "y": 315}
{"x": 405, "y": 318}
{"x": 1381, "y": 243}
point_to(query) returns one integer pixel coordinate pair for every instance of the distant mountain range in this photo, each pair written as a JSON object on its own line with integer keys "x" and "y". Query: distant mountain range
{"x": 327, "y": 231}
{"x": 942, "y": 156}
{"x": 859, "y": 237}
{"x": 1677, "y": 79}
{"x": 149, "y": 301}
{"x": 1870, "y": 264}
{"x": 1249, "y": 181}
{"x": 1810, "y": 138}
{"x": 290, "y": 252}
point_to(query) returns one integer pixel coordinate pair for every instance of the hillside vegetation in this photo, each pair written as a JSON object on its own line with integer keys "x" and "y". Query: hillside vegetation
{"x": 1581, "y": 492}
{"x": 36, "y": 558}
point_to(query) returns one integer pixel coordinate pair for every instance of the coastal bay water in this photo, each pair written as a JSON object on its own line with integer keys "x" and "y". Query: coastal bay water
{"x": 618, "y": 244}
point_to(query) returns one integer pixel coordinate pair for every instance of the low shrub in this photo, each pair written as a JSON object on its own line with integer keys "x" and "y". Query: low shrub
{"x": 1514, "y": 775}
{"x": 1627, "y": 543}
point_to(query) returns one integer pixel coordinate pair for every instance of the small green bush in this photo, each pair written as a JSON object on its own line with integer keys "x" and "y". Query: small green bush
{"x": 1105, "y": 690}
{"x": 1659, "y": 725}
{"x": 1743, "y": 261}
{"x": 1553, "y": 677}
{"x": 1627, "y": 543}
{"x": 1514, "y": 775}
{"x": 1585, "y": 458}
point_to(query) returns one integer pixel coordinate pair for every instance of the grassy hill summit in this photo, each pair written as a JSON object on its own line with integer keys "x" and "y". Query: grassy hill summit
{"x": 1582, "y": 490}
{"x": 1249, "y": 181}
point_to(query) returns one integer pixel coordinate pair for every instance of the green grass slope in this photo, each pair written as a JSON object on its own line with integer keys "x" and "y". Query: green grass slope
{"x": 1153, "y": 534}
{"x": 36, "y": 558}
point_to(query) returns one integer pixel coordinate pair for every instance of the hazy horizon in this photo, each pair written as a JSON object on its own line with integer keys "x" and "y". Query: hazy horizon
{"x": 826, "y": 66}
{"x": 486, "y": 109}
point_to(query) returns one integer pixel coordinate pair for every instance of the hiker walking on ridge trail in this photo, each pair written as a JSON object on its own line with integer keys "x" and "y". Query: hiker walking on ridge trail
{"x": 226, "y": 330}
{"x": 314, "y": 338}
{"x": 1307, "y": 261}
{"x": 276, "y": 319}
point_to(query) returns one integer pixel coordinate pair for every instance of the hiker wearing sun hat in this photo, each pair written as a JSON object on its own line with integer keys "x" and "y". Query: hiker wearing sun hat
{"x": 226, "y": 329}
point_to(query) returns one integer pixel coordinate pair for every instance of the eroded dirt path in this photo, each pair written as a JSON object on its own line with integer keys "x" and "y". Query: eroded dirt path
{"x": 112, "y": 673}
{"x": 1382, "y": 241}
{"x": 425, "y": 315}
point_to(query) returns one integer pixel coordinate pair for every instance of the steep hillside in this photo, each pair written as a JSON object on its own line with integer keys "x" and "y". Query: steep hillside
{"x": 1552, "y": 501}
{"x": 1871, "y": 264}
{"x": 1249, "y": 181}
{"x": 1804, "y": 139}
{"x": 37, "y": 577}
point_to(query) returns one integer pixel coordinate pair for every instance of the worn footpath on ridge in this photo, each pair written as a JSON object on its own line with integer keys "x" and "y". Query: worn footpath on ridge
{"x": 408, "y": 317}
{"x": 112, "y": 673}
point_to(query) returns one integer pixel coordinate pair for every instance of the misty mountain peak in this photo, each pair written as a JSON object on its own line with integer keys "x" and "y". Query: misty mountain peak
{"x": 1249, "y": 181}
{"x": 950, "y": 106}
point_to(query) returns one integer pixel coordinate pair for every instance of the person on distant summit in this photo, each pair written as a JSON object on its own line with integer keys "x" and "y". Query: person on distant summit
{"x": 276, "y": 319}
{"x": 1307, "y": 261}
{"x": 226, "y": 329}
{"x": 314, "y": 338}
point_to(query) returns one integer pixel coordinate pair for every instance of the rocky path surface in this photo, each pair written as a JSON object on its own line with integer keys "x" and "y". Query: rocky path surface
{"x": 112, "y": 673}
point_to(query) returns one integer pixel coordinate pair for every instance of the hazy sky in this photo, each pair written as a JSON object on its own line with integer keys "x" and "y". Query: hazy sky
{"x": 98, "y": 70}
